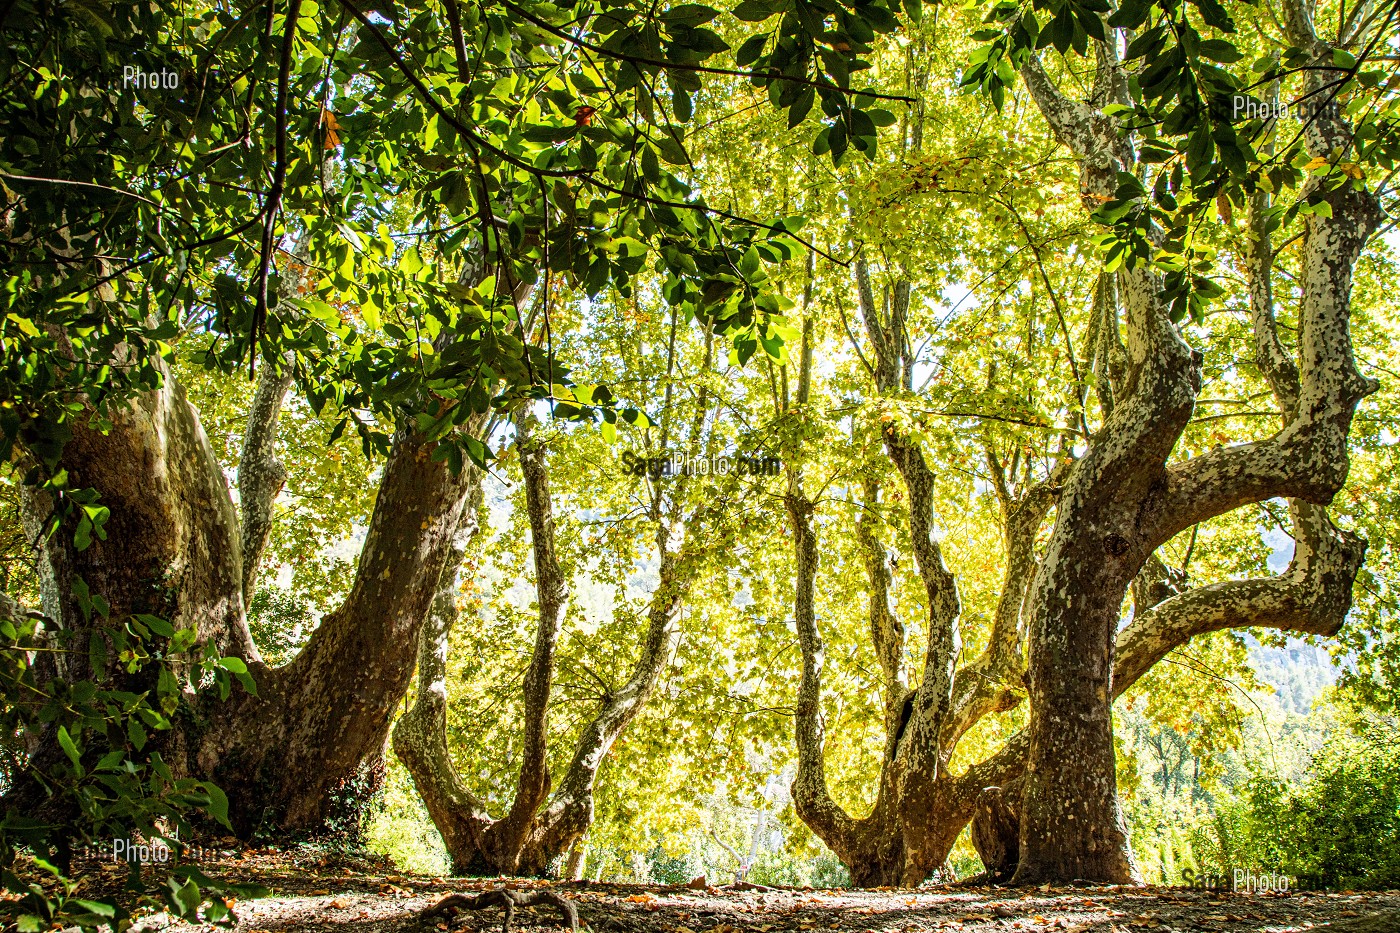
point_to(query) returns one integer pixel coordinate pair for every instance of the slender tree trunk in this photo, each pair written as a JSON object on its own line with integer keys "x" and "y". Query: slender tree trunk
{"x": 420, "y": 735}
{"x": 540, "y": 828}
{"x": 261, "y": 474}
{"x": 576, "y": 865}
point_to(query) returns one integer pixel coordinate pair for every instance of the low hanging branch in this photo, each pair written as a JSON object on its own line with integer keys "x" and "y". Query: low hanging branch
{"x": 505, "y": 899}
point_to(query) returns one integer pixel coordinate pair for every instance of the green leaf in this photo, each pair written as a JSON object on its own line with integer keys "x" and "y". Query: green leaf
{"x": 184, "y": 898}
{"x": 690, "y": 14}
{"x": 801, "y": 107}
{"x": 111, "y": 760}
{"x": 1220, "y": 50}
{"x": 82, "y": 537}
{"x": 218, "y": 802}
{"x": 70, "y": 749}
{"x": 233, "y": 665}
{"x": 681, "y": 106}
{"x": 756, "y": 11}
{"x": 749, "y": 263}
{"x": 100, "y": 908}
{"x": 97, "y": 654}
{"x": 157, "y": 625}
{"x": 136, "y": 733}
{"x": 748, "y": 52}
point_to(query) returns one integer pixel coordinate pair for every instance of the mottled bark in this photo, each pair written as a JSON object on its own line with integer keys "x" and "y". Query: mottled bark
{"x": 577, "y": 862}
{"x": 1123, "y": 500}
{"x": 420, "y": 735}
{"x": 540, "y": 827}
{"x": 569, "y": 812}
{"x": 886, "y": 631}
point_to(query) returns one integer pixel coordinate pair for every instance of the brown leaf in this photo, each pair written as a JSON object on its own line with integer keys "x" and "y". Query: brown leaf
{"x": 332, "y": 129}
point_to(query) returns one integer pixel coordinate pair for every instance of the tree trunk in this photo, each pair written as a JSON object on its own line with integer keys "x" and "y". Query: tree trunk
{"x": 420, "y": 735}
{"x": 540, "y": 828}
{"x": 996, "y": 831}
{"x": 578, "y": 857}
{"x": 261, "y": 474}
{"x": 317, "y": 719}
{"x": 1114, "y": 508}
{"x": 1123, "y": 500}
{"x": 920, "y": 807}
{"x": 173, "y": 548}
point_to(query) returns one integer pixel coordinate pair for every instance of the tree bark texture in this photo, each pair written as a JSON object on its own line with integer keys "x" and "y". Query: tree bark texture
{"x": 544, "y": 822}
{"x": 174, "y": 547}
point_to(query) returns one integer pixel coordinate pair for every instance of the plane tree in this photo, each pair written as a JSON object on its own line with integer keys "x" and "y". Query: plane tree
{"x": 354, "y": 201}
{"x": 1132, "y": 467}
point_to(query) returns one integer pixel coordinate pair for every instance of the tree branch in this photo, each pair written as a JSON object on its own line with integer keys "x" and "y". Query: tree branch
{"x": 1311, "y": 597}
{"x": 261, "y": 474}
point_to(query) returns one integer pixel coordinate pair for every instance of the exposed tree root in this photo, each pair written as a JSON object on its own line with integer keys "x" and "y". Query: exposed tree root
{"x": 508, "y": 901}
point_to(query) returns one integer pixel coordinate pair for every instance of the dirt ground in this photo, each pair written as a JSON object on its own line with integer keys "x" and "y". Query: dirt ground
{"x": 314, "y": 891}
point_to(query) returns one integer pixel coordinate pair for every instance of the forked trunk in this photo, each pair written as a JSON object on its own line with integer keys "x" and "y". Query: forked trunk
{"x": 173, "y": 549}
{"x": 540, "y": 829}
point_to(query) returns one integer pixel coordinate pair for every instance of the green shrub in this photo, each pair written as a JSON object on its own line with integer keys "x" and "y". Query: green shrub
{"x": 105, "y": 780}
{"x": 1340, "y": 829}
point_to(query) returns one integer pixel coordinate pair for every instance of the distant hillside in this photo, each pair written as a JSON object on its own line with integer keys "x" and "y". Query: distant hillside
{"x": 1298, "y": 672}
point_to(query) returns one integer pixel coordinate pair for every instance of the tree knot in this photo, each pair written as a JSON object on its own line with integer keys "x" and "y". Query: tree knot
{"x": 1116, "y": 545}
